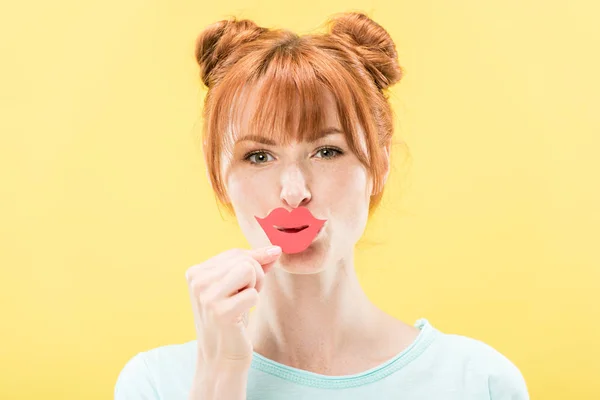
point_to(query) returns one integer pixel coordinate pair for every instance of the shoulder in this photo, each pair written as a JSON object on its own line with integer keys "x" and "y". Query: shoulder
{"x": 484, "y": 363}
{"x": 145, "y": 374}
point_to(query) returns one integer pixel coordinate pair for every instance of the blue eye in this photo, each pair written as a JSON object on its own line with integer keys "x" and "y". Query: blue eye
{"x": 329, "y": 152}
{"x": 260, "y": 157}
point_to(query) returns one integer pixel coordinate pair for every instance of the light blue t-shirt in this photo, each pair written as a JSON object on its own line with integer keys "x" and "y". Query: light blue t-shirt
{"x": 436, "y": 366}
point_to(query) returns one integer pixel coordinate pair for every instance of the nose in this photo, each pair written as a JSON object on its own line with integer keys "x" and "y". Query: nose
{"x": 294, "y": 188}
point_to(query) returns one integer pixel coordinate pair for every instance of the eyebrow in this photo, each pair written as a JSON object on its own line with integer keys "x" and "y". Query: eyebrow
{"x": 267, "y": 141}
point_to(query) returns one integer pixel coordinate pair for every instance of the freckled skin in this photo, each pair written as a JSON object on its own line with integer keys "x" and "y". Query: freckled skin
{"x": 312, "y": 312}
{"x": 333, "y": 186}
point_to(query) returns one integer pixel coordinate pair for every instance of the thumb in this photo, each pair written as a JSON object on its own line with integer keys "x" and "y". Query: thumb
{"x": 265, "y": 255}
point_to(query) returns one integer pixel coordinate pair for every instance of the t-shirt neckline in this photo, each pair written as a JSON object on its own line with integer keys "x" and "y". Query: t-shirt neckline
{"x": 307, "y": 378}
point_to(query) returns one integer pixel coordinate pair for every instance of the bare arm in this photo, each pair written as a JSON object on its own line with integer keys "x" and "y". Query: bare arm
{"x": 222, "y": 291}
{"x": 225, "y": 383}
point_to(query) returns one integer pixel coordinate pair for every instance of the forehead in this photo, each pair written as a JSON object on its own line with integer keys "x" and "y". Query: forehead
{"x": 285, "y": 112}
{"x": 258, "y": 111}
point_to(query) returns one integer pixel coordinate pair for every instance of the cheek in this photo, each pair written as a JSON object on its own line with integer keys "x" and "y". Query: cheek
{"x": 245, "y": 199}
{"x": 242, "y": 182}
{"x": 346, "y": 192}
{"x": 251, "y": 192}
{"x": 352, "y": 182}
{"x": 348, "y": 205}
{"x": 242, "y": 193}
{"x": 357, "y": 212}
{"x": 237, "y": 188}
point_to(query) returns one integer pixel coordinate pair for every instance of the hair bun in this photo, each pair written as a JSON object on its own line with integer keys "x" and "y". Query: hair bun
{"x": 216, "y": 43}
{"x": 372, "y": 43}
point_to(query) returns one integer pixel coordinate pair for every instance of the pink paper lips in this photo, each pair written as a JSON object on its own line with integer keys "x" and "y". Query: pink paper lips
{"x": 292, "y": 231}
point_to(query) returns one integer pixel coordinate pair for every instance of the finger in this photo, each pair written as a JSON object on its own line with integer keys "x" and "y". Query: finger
{"x": 239, "y": 278}
{"x": 221, "y": 258}
{"x": 260, "y": 274}
{"x": 201, "y": 280}
{"x": 265, "y": 255}
{"x": 214, "y": 262}
{"x": 237, "y": 305}
{"x": 267, "y": 267}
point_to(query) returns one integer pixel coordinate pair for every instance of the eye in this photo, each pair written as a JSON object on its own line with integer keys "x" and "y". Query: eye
{"x": 258, "y": 157}
{"x": 329, "y": 152}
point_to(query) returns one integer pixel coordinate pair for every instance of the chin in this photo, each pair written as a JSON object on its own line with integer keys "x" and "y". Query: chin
{"x": 309, "y": 261}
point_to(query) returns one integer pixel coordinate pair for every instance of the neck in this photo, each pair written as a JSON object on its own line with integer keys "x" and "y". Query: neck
{"x": 306, "y": 320}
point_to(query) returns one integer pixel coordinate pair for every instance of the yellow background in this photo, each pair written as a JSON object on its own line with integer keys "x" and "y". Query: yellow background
{"x": 491, "y": 232}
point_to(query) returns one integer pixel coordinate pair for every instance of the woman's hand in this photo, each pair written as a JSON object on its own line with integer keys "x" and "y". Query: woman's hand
{"x": 222, "y": 291}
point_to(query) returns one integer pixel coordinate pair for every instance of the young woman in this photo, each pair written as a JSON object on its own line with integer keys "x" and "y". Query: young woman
{"x": 297, "y": 142}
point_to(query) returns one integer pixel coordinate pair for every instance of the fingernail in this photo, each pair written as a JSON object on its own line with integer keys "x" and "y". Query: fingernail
{"x": 273, "y": 250}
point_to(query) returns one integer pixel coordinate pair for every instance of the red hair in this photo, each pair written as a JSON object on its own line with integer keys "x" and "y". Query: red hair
{"x": 356, "y": 61}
